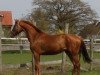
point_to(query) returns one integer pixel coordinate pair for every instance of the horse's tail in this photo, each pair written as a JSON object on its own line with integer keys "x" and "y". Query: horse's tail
{"x": 84, "y": 52}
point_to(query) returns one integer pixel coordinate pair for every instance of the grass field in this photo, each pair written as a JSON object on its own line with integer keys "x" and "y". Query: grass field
{"x": 18, "y": 58}
{"x": 25, "y": 57}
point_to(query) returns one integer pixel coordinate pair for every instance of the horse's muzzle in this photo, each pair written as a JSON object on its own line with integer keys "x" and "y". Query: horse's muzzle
{"x": 11, "y": 35}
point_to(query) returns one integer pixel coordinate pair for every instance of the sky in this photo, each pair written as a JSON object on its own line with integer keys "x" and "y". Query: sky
{"x": 95, "y": 5}
{"x": 20, "y": 8}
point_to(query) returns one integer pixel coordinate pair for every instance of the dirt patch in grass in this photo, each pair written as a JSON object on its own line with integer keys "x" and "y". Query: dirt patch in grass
{"x": 50, "y": 70}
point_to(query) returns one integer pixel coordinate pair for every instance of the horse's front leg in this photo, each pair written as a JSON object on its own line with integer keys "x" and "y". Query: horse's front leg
{"x": 37, "y": 63}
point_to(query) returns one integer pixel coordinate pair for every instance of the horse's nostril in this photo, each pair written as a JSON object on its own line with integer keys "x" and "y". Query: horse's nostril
{"x": 11, "y": 34}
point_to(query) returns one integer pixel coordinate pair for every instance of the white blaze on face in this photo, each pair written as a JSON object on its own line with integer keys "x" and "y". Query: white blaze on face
{"x": 12, "y": 27}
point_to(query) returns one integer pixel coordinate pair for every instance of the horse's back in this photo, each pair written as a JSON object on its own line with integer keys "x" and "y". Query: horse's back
{"x": 73, "y": 37}
{"x": 73, "y": 42}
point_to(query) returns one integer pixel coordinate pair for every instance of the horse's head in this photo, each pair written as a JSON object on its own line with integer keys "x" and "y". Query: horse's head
{"x": 16, "y": 28}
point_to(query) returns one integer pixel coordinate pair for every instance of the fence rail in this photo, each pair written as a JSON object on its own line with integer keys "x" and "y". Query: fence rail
{"x": 22, "y": 43}
{"x": 7, "y": 47}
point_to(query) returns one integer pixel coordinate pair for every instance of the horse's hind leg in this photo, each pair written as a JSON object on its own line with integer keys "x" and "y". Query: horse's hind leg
{"x": 76, "y": 65}
{"x": 75, "y": 60}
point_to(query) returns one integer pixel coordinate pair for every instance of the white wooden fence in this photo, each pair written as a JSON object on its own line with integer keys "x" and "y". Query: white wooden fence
{"x": 21, "y": 43}
{"x": 95, "y": 44}
{"x": 24, "y": 44}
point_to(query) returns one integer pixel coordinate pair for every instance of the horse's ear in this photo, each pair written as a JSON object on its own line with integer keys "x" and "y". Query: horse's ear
{"x": 15, "y": 20}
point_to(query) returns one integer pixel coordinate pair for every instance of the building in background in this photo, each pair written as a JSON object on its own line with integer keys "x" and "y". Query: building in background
{"x": 7, "y": 22}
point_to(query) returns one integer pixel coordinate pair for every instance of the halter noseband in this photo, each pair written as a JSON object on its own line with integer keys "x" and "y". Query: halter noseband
{"x": 12, "y": 27}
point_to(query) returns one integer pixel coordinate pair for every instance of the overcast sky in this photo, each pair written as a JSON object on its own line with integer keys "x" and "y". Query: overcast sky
{"x": 20, "y": 8}
{"x": 95, "y": 5}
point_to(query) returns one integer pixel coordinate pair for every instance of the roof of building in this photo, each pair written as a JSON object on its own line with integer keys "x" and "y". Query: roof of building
{"x": 7, "y": 18}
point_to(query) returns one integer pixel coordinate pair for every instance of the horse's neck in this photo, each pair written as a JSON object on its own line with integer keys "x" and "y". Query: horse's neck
{"x": 31, "y": 36}
{"x": 31, "y": 33}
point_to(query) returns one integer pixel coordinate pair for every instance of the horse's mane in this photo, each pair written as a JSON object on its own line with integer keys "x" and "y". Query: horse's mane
{"x": 32, "y": 25}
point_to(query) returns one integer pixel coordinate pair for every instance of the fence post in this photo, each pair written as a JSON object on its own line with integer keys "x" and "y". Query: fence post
{"x": 91, "y": 51}
{"x": 0, "y": 56}
{"x": 1, "y": 35}
{"x": 64, "y": 54}
{"x": 33, "y": 64}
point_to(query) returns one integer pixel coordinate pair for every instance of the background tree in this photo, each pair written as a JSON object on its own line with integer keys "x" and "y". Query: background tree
{"x": 90, "y": 30}
{"x": 38, "y": 16}
{"x": 59, "y": 12}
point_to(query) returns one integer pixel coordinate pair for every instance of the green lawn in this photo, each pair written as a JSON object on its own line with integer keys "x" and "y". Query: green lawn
{"x": 26, "y": 56}
{"x": 17, "y": 58}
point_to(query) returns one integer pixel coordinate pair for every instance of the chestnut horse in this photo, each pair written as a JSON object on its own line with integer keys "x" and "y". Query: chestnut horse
{"x": 44, "y": 44}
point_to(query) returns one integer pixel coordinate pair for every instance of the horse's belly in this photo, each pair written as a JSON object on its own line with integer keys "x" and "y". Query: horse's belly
{"x": 52, "y": 52}
{"x": 52, "y": 49}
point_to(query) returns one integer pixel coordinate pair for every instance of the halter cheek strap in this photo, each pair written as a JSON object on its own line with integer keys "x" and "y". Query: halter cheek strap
{"x": 12, "y": 27}
{"x": 18, "y": 24}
